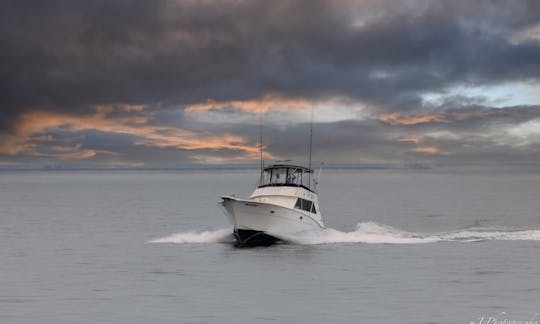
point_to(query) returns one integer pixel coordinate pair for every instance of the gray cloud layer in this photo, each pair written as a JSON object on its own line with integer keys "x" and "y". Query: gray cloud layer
{"x": 69, "y": 56}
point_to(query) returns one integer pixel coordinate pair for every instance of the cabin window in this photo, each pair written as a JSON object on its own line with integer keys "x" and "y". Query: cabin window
{"x": 305, "y": 205}
{"x": 286, "y": 175}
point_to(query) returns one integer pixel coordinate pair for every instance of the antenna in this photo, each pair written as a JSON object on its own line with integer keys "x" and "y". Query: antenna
{"x": 260, "y": 138}
{"x": 310, "y": 144}
{"x": 310, "y": 136}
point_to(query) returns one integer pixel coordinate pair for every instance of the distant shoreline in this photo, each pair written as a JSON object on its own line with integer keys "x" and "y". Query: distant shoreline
{"x": 240, "y": 167}
{"x": 219, "y": 167}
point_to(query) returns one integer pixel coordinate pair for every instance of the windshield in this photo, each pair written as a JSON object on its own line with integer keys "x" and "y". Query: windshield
{"x": 285, "y": 176}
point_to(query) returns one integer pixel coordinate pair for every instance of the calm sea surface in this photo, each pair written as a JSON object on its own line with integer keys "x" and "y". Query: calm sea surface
{"x": 152, "y": 247}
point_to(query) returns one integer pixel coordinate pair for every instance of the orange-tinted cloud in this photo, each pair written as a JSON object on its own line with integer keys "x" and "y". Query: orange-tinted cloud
{"x": 25, "y": 141}
{"x": 529, "y": 34}
{"x": 403, "y": 119}
{"x": 68, "y": 152}
{"x": 409, "y": 139}
{"x": 419, "y": 146}
{"x": 427, "y": 150}
{"x": 396, "y": 119}
{"x": 267, "y": 102}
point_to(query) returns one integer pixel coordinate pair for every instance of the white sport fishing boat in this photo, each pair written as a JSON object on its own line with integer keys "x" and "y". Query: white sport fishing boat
{"x": 285, "y": 203}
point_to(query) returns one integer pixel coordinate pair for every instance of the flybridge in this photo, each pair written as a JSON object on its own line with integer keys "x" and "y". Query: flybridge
{"x": 287, "y": 175}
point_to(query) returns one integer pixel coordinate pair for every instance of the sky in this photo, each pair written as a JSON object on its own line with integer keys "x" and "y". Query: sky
{"x": 153, "y": 84}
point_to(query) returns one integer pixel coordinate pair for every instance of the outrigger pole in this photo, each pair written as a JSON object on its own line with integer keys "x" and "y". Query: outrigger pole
{"x": 260, "y": 139}
{"x": 310, "y": 143}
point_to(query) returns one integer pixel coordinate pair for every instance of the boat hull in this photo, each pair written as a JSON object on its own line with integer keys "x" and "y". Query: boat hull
{"x": 251, "y": 238}
{"x": 262, "y": 224}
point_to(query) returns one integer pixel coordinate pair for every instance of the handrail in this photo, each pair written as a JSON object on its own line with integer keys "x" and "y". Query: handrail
{"x": 285, "y": 185}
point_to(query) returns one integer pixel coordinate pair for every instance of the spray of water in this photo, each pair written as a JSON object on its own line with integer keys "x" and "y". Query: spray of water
{"x": 218, "y": 236}
{"x": 369, "y": 232}
{"x": 374, "y": 233}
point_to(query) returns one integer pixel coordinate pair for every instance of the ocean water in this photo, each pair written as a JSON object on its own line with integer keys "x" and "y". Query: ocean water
{"x": 407, "y": 246}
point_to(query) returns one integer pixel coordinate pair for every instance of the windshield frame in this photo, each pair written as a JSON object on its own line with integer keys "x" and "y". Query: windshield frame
{"x": 286, "y": 175}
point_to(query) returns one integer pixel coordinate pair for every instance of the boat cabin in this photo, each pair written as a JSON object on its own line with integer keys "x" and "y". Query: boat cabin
{"x": 287, "y": 175}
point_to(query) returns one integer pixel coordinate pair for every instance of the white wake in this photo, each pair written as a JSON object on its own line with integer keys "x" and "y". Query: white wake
{"x": 218, "y": 236}
{"x": 368, "y": 232}
{"x": 374, "y": 233}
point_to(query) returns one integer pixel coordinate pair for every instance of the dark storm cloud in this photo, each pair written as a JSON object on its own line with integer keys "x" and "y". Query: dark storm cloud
{"x": 127, "y": 68}
{"x": 71, "y": 55}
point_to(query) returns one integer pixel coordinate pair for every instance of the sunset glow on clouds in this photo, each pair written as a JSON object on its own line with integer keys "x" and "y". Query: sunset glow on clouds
{"x": 168, "y": 83}
{"x": 253, "y": 105}
{"x": 33, "y": 128}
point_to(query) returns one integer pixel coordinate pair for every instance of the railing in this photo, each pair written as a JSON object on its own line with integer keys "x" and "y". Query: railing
{"x": 285, "y": 185}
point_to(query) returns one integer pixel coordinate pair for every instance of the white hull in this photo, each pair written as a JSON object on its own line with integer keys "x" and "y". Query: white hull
{"x": 277, "y": 221}
{"x": 282, "y": 207}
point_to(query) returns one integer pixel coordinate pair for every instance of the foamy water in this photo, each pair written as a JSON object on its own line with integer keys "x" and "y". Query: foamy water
{"x": 367, "y": 232}
{"x": 217, "y": 236}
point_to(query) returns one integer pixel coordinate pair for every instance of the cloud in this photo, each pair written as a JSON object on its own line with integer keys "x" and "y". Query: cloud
{"x": 253, "y": 105}
{"x": 458, "y": 115}
{"x": 212, "y": 64}
{"x": 413, "y": 119}
{"x": 276, "y": 109}
{"x": 109, "y": 138}
{"x": 419, "y": 146}
{"x": 65, "y": 54}
{"x": 32, "y": 135}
